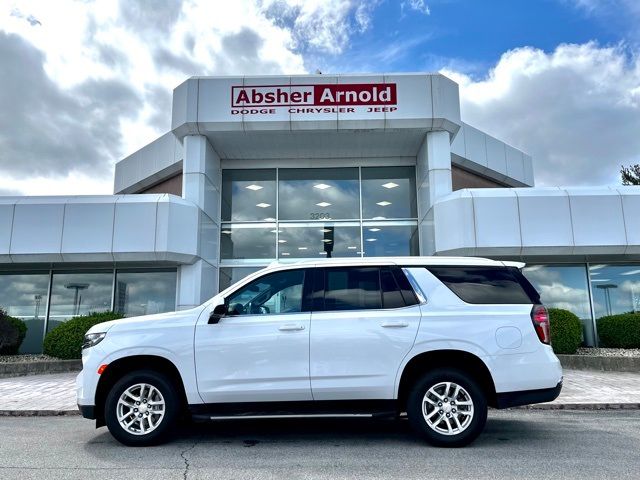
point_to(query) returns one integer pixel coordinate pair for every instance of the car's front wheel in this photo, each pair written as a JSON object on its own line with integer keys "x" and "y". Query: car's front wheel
{"x": 141, "y": 408}
{"x": 447, "y": 407}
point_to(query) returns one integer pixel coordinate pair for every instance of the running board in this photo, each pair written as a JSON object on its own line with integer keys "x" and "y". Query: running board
{"x": 303, "y": 409}
{"x": 311, "y": 415}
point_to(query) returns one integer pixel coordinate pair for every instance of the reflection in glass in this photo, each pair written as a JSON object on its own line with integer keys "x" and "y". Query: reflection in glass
{"x": 381, "y": 240}
{"x": 564, "y": 286}
{"x": 318, "y": 193}
{"x": 328, "y": 240}
{"x": 389, "y": 192}
{"x": 616, "y": 289}
{"x": 145, "y": 291}
{"x": 24, "y": 295}
{"x": 231, "y": 275}
{"x": 279, "y": 292}
{"x": 79, "y": 293}
{"x": 249, "y": 241}
{"x": 248, "y": 195}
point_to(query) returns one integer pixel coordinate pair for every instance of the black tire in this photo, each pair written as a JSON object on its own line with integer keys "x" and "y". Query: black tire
{"x": 419, "y": 423}
{"x": 172, "y": 408}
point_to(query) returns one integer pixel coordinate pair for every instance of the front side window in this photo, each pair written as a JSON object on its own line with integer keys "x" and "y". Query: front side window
{"x": 275, "y": 293}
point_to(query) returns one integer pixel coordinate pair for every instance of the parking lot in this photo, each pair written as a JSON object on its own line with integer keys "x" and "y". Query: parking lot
{"x": 516, "y": 444}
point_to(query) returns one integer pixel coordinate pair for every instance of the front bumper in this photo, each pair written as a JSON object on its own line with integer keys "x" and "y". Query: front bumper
{"x": 528, "y": 397}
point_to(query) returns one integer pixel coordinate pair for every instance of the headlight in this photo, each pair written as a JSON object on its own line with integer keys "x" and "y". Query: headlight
{"x": 91, "y": 339}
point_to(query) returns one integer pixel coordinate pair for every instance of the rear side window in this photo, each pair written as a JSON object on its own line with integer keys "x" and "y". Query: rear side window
{"x": 352, "y": 288}
{"x": 361, "y": 288}
{"x": 487, "y": 285}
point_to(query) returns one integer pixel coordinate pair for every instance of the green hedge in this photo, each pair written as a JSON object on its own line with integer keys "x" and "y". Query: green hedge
{"x": 65, "y": 341}
{"x": 566, "y": 331}
{"x": 620, "y": 331}
{"x": 12, "y": 333}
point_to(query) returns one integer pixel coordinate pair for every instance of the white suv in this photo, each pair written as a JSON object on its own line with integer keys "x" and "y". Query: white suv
{"x": 438, "y": 338}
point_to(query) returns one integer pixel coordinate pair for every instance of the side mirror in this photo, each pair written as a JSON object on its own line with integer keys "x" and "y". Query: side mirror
{"x": 218, "y": 312}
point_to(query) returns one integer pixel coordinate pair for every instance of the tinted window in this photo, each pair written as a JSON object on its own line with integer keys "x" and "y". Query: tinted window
{"x": 352, "y": 288}
{"x": 406, "y": 290}
{"x": 279, "y": 292}
{"x": 484, "y": 285}
{"x": 391, "y": 294}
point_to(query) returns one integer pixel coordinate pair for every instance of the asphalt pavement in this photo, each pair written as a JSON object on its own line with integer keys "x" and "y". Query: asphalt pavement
{"x": 520, "y": 444}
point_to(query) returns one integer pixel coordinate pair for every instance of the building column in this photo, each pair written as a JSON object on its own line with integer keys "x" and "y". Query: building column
{"x": 433, "y": 165}
{"x": 201, "y": 184}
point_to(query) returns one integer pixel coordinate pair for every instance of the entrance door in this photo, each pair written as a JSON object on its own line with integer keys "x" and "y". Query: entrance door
{"x": 259, "y": 351}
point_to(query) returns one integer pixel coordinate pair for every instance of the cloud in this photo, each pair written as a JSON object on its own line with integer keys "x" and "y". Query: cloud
{"x": 419, "y": 6}
{"x": 575, "y": 109}
{"x": 46, "y": 129}
{"x": 322, "y": 26}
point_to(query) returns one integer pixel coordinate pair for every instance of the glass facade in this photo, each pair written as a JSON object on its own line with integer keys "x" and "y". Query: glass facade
{"x": 25, "y": 295}
{"x": 308, "y": 213}
{"x": 145, "y": 291}
{"x": 78, "y": 293}
{"x": 616, "y": 289}
{"x": 566, "y": 287}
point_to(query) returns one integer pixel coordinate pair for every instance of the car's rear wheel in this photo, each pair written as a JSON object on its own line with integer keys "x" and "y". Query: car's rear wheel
{"x": 141, "y": 408}
{"x": 447, "y": 407}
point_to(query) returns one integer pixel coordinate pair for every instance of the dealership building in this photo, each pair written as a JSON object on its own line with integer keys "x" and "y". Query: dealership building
{"x": 264, "y": 169}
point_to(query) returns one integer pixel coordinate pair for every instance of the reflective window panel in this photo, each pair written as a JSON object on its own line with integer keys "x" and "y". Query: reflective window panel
{"x": 79, "y": 293}
{"x": 564, "y": 286}
{"x": 616, "y": 289}
{"x": 231, "y": 275}
{"x": 318, "y": 194}
{"x": 389, "y": 192}
{"x": 248, "y": 241}
{"x": 24, "y": 295}
{"x": 248, "y": 195}
{"x": 355, "y": 288}
{"x": 380, "y": 240}
{"x": 318, "y": 241}
{"x": 145, "y": 291}
{"x": 275, "y": 293}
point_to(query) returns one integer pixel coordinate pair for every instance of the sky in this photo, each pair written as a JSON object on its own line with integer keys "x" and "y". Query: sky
{"x": 85, "y": 83}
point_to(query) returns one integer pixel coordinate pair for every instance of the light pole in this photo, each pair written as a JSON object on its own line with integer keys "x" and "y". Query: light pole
{"x": 38, "y": 299}
{"x": 77, "y": 299}
{"x": 607, "y": 296}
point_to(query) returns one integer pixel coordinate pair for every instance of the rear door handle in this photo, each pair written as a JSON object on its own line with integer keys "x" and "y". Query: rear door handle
{"x": 395, "y": 324}
{"x": 291, "y": 328}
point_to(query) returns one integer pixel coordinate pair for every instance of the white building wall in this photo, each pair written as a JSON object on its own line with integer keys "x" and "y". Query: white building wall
{"x": 105, "y": 228}
{"x": 564, "y": 223}
{"x": 201, "y": 185}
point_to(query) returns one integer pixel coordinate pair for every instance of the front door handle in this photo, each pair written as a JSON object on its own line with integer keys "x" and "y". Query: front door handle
{"x": 395, "y": 324}
{"x": 291, "y": 328}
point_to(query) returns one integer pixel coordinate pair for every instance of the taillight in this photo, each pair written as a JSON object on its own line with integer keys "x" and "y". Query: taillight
{"x": 540, "y": 319}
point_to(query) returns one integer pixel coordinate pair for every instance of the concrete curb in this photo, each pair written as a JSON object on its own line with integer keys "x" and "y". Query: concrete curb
{"x": 39, "y": 413}
{"x": 21, "y": 369}
{"x": 540, "y": 406}
{"x": 582, "y": 406}
{"x": 605, "y": 364}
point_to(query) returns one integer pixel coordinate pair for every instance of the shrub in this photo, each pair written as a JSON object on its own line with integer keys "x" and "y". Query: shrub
{"x": 566, "y": 331}
{"x": 620, "y": 331}
{"x": 65, "y": 341}
{"x": 12, "y": 333}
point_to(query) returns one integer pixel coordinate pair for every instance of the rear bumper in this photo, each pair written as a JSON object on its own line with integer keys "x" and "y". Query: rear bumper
{"x": 87, "y": 411}
{"x": 528, "y": 397}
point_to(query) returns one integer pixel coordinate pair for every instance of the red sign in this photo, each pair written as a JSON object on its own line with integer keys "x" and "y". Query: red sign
{"x": 316, "y": 95}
